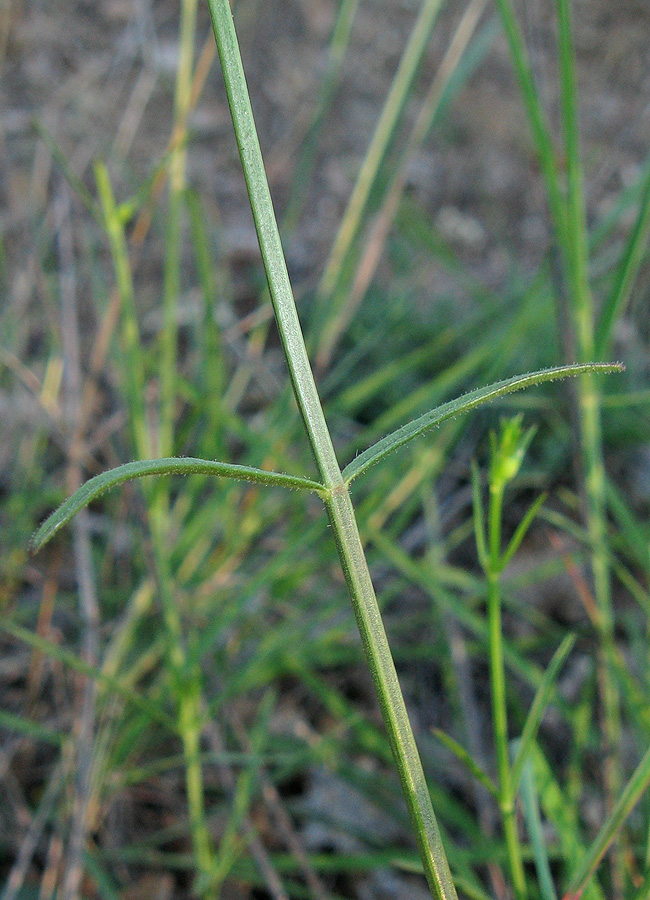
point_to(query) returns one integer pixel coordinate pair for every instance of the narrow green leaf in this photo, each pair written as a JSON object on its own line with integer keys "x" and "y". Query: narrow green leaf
{"x": 61, "y": 159}
{"x": 537, "y": 118}
{"x": 479, "y": 520}
{"x": 49, "y": 648}
{"x": 33, "y": 730}
{"x": 469, "y": 889}
{"x": 521, "y": 530}
{"x": 383, "y": 134}
{"x": 464, "y": 404}
{"x": 463, "y": 756}
{"x": 562, "y": 813}
{"x": 635, "y": 251}
{"x": 536, "y": 712}
{"x": 105, "y": 886}
{"x": 628, "y": 800}
{"x": 132, "y": 357}
{"x": 530, "y": 802}
{"x": 171, "y": 466}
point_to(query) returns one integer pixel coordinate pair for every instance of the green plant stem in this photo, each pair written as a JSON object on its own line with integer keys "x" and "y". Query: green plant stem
{"x": 190, "y": 722}
{"x": 337, "y": 500}
{"x": 293, "y": 344}
{"x": 498, "y": 691}
{"x": 187, "y": 688}
{"x": 568, "y": 215}
{"x": 589, "y": 404}
{"x": 189, "y": 710}
{"x": 391, "y": 702}
{"x": 499, "y": 715}
{"x": 536, "y": 117}
{"x": 393, "y": 109}
{"x": 189, "y": 699}
{"x": 437, "y": 96}
{"x": 338, "y": 45}
{"x": 177, "y": 166}
{"x": 130, "y": 335}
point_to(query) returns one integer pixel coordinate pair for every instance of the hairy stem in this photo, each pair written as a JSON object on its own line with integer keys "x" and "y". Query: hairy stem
{"x": 337, "y": 498}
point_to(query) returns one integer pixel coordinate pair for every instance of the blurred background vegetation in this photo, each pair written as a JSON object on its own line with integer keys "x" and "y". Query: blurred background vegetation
{"x": 134, "y": 317}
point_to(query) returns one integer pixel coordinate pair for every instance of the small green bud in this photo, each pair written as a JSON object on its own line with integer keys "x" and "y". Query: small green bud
{"x": 507, "y": 450}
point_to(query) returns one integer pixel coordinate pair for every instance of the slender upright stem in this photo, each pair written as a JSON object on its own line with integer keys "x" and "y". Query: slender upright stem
{"x": 536, "y": 118}
{"x": 189, "y": 711}
{"x": 391, "y": 701}
{"x": 568, "y": 213}
{"x": 337, "y": 499}
{"x": 190, "y": 717}
{"x": 498, "y": 691}
{"x": 172, "y": 280}
{"x": 384, "y": 131}
{"x": 589, "y": 405}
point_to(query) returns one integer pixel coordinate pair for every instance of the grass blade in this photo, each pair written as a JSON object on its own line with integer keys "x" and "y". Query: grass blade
{"x": 522, "y": 530}
{"x": 463, "y": 756}
{"x": 479, "y": 518}
{"x": 454, "y": 70}
{"x": 627, "y": 801}
{"x": 628, "y": 270}
{"x": 537, "y": 118}
{"x": 115, "y": 686}
{"x": 530, "y": 803}
{"x": 171, "y": 466}
{"x": 79, "y": 188}
{"x": 563, "y": 815}
{"x": 34, "y": 730}
{"x": 538, "y": 708}
{"x": 339, "y": 42}
{"x": 336, "y": 496}
{"x": 384, "y": 131}
{"x": 590, "y": 418}
{"x": 461, "y": 405}
{"x": 133, "y": 363}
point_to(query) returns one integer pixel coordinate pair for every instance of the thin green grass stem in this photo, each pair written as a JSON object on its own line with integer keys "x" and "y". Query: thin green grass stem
{"x": 130, "y": 338}
{"x": 213, "y": 285}
{"x": 384, "y": 131}
{"x": 530, "y": 802}
{"x": 500, "y": 723}
{"x": 177, "y": 166}
{"x": 189, "y": 707}
{"x": 498, "y": 691}
{"x": 542, "y": 135}
{"x": 190, "y": 722}
{"x": 189, "y": 696}
{"x": 507, "y": 451}
{"x": 611, "y": 828}
{"x": 337, "y": 501}
{"x": 568, "y": 215}
{"x": 391, "y": 701}
{"x": 576, "y": 244}
{"x": 455, "y": 67}
{"x": 186, "y": 688}
{"x": 339, "y": 42}
{"x": 634, "y": 255}
{"x": 589, "y": 411}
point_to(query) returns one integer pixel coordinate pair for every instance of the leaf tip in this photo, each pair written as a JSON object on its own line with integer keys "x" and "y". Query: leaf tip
{"x": 35, "y": 543}
{"x": 611, "y": 367}
{"x": 43, "y": 534}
